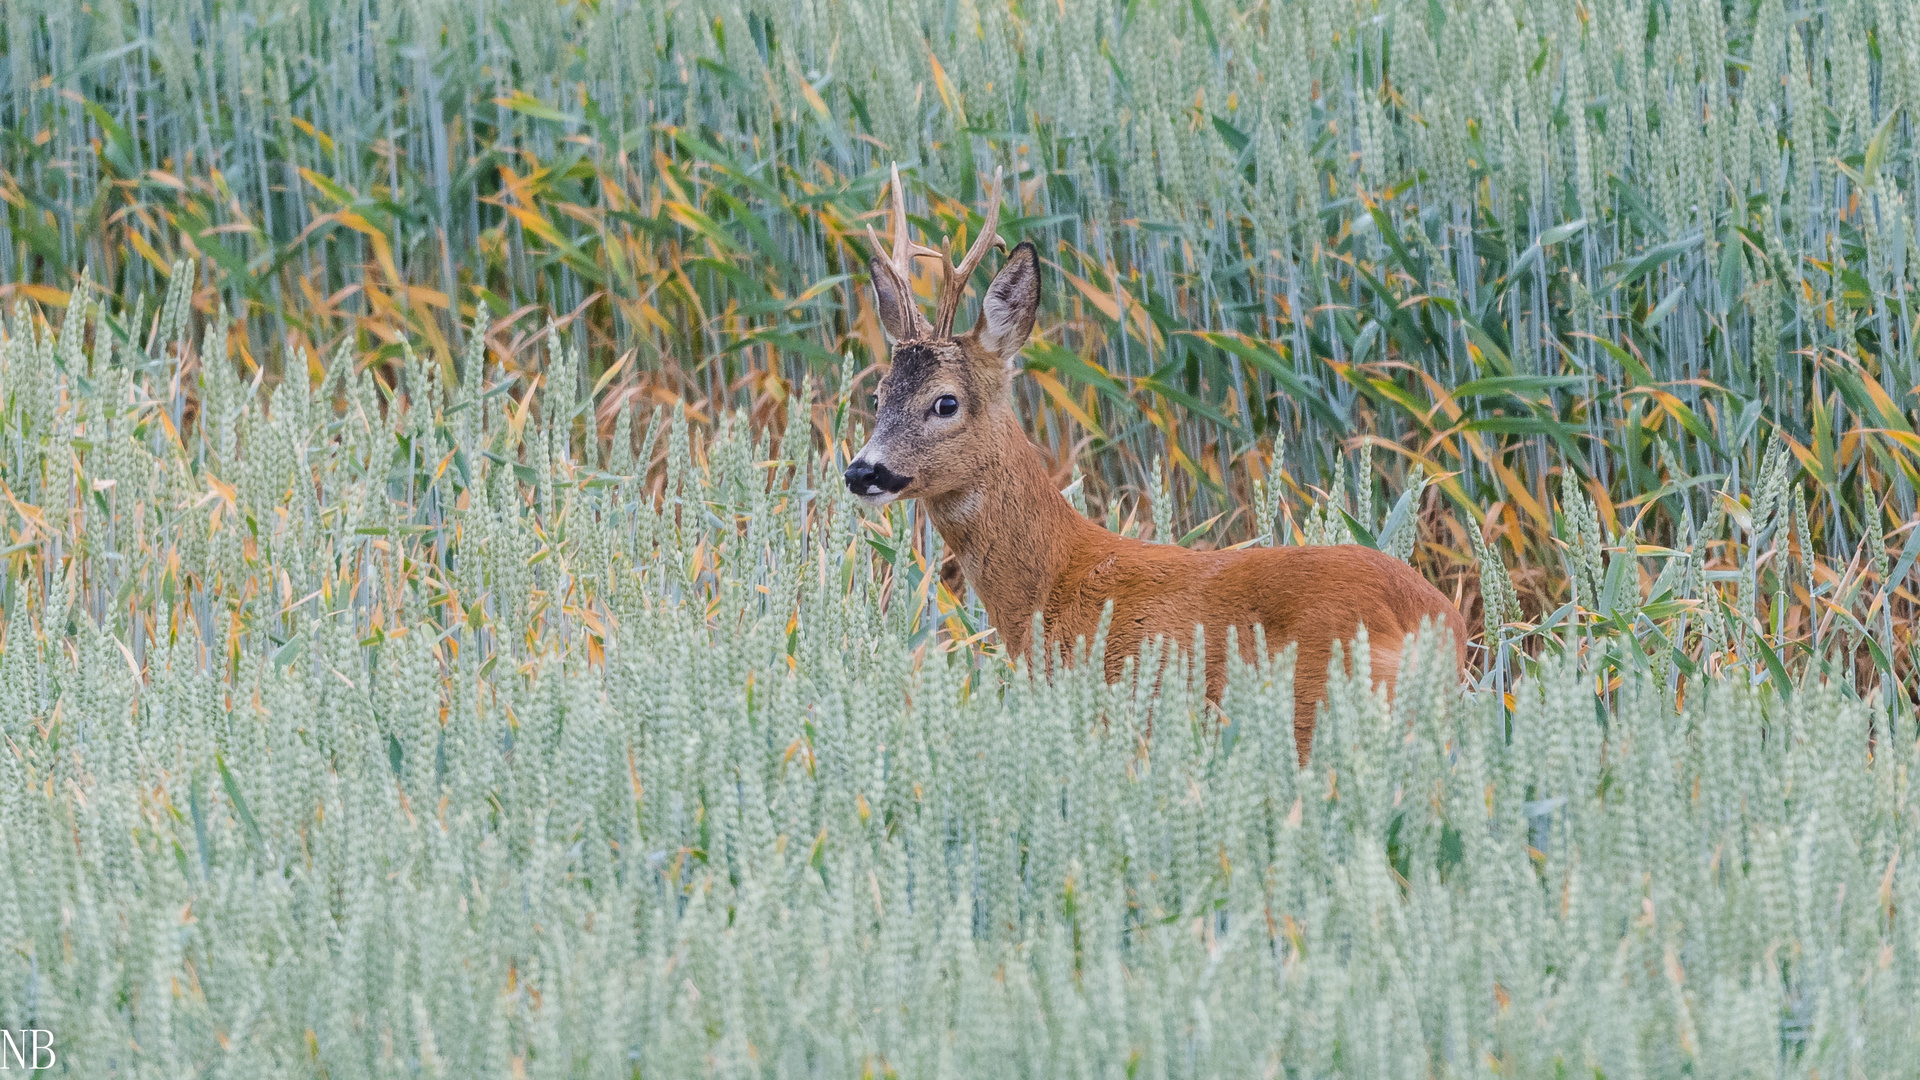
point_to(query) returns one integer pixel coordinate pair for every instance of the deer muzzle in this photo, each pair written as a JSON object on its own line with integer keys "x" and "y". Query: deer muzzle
{"x": 874, "y": 481}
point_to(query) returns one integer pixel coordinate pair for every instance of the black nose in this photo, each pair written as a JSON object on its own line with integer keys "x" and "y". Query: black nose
{"x": 865, "y": 478}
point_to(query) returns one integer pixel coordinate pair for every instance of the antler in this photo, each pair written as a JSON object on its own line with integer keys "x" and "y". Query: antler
{"x": 953, "y": 276}
{"x": 900, "y": 260}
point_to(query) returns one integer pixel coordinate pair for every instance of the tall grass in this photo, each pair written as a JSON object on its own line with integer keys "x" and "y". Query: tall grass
{"x": 414, "y": 729}
{"x": 1643, "y": 238}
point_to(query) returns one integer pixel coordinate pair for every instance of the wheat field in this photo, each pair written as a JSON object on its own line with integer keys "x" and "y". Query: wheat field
{"x": 419, "y": 733}
{"x": 437, "y": 642}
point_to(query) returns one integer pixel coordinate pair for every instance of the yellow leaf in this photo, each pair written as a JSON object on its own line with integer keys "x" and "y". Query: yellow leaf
{"x": 534, "y": 222}
{"x": 1517, "y": 488}
{"x": 45, "y": 294}
{"x": 431, "y": 297}
{"x": 382, "y": 251}
{"x": 145, "y": 251}
{"x": 1104, "y": 301}
{"x": 1889, "y": 412}
{"x": 948, "y": 96}
{"x": 1062, "y": 398}
{"x": 318, "y": 136}
{"x": 814, "y": 99}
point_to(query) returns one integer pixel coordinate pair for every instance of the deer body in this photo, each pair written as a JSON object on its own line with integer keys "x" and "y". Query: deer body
{"x": 947, "y": 434}
{"x": 1023, "y": 548}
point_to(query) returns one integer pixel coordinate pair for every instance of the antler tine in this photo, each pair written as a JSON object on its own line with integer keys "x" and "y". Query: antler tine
{"x": 904, "y": 250}
{"x": 953, "y": 285}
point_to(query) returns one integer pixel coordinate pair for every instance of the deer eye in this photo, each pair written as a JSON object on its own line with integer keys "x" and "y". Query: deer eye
{"x": 946, "y": 406}
{"x": 873, "y": 400}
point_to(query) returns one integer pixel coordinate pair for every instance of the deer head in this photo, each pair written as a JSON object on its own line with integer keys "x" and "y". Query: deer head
{"x": 943, "y": 408}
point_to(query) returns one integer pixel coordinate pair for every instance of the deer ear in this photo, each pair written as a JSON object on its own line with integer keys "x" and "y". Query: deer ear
{"x": 893, "y": 300}
{"x": 1006, "y": 315}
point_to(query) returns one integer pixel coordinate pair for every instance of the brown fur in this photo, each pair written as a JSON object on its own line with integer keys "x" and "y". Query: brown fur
{"x": 1023, "y": 548}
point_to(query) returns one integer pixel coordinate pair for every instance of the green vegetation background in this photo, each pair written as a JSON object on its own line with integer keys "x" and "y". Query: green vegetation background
{"x": 390, "y": 691}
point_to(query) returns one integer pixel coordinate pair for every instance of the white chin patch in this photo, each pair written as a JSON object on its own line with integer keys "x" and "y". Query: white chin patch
{"x": 876, "y": 497}
{"x": 964, "y": 507}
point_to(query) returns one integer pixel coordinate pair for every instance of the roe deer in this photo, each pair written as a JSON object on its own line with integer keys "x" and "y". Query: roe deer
{"x": 946, "y": 434}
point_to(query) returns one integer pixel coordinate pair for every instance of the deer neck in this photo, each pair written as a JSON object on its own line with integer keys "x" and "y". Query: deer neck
{"x": 1012, "y": 532}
